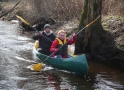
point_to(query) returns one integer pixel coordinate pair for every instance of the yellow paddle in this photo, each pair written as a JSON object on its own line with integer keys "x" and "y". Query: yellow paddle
{"x": 23, "y": 20}
{"x": 89, "y": 24}
{"x": 37, "y": 67}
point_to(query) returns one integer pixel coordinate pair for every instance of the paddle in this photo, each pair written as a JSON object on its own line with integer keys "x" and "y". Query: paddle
{"x": 37, "y": 67}
{"x": 24, "y": 21}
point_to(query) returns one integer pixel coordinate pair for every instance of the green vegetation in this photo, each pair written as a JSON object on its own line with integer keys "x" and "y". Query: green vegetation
{"x": 84, "y": 15}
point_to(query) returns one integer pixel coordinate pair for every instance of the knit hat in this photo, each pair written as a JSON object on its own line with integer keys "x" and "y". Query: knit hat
{"x": 47, "y": 26}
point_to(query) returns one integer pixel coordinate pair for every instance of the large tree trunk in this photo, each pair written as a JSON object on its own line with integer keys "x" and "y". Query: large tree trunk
{"x": 88, "y": 40}
{"x": 96, "y": 41}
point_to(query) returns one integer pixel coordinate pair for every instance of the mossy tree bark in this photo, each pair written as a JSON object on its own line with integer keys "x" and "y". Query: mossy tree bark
{"x": 88, "y": 40}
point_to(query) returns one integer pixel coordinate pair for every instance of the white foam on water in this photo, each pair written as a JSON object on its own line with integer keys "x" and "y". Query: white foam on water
{"x": 22, "y": 59}
{"x": 47, "y": 68}
{"x": 30, "y": 67}
{"x": 18, "y": 78}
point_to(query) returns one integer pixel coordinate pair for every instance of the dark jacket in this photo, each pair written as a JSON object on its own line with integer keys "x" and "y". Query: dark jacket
{"x": 45, "y": 42}
{"x": 64, "y": 47}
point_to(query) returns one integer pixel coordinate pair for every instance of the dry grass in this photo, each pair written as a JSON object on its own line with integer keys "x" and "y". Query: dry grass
{"x": 113, "y": 7}
{"x": 115, "y": 25}
{"x": 59, "y": 10}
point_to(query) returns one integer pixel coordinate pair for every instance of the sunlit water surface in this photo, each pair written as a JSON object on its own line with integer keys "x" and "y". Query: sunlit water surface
{"x": 16, "y": 55}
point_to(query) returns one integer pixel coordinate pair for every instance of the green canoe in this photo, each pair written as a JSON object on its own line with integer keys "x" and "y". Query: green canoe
{"x": 76, "y": 64}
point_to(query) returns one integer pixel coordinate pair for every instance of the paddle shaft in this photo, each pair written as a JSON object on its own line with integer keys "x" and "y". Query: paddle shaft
{"x": 42, "y": 34}
{"x": 88, "y": 24}
{"x": 24, "y": 21}
{"x": 72, "y": 37}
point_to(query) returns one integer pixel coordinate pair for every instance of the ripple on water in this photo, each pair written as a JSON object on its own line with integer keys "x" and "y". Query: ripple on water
{"x": 18, "y": 78}
{"x": 103, "y": 81}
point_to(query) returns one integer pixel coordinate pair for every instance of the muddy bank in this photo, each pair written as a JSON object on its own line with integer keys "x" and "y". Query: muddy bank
{"x": 114, "y": 40}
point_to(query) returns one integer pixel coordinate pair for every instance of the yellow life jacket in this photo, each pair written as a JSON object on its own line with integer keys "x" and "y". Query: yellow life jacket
{"x": 63, "y": 49}
{"x": 36, "y": 44}
{"x": 60, "y": 42}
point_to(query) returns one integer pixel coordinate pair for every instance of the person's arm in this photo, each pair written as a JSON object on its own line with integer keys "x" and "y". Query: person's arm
{"x": 73, "y": 40}
{"x": 54, "y": 46}
{"x": 37, "y": 35}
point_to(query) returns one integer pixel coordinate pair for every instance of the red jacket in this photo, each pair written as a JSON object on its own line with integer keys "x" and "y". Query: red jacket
{"x": 55, "y": 44}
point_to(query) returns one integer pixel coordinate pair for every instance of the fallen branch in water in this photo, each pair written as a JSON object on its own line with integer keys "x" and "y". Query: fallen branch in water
{"x": 10, "y": 10}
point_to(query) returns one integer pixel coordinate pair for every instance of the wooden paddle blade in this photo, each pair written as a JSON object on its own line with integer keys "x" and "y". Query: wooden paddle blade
{"x": 24, "y": 21}
{"x": 37, "y": 67}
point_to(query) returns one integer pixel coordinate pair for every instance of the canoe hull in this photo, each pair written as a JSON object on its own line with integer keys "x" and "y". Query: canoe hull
{"x": 75, "y": 64}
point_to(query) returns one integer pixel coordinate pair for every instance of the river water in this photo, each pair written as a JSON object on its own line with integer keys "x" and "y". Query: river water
{"x": 16, "y": 55}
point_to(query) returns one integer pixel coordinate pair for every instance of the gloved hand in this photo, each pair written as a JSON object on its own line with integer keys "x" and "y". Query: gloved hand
{"x": 56, "y": 50}
{"x": 39, "y": 33}
{"x": 74, "y": 36}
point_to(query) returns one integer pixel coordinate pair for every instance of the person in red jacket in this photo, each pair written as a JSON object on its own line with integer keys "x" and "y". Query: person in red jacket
{"x": 61, "y": 41}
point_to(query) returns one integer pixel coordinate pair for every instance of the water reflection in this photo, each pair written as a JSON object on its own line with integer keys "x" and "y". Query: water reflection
{"x": 106, "y": 78}
{"x": 105, "y": 82}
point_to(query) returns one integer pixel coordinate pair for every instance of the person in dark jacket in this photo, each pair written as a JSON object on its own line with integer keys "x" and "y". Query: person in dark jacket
{"x": 45, "y": 39}
{"x": 62, "y": 42}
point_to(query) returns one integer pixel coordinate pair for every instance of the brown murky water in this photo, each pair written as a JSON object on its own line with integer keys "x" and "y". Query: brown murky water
{"x": 16, "y": 55}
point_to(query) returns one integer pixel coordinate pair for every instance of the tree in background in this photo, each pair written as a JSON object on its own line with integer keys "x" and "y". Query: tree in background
{"x": 89, "y": 40}
{"x": 101, "y": 44}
